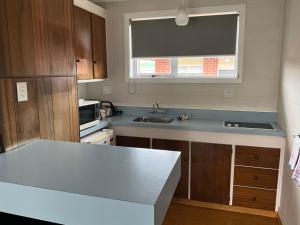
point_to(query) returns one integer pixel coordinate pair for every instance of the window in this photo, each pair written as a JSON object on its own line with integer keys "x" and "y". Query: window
{"x": 208, "y": 49}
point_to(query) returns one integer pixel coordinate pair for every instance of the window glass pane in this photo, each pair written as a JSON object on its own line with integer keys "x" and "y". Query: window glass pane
{"x": 201, "y": 67}
{"x": 156, "y": 66}
{"x": 190, "y": 66}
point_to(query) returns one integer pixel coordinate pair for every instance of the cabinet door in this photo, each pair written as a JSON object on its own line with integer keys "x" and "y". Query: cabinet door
{"x": 135, "y": 142}
{"x": 5, "y": 66}
{"x": 183, "y": 147}
{"x": 41, "y": 41}
{"x": 74, "y": 112}
{"x": 61, "y": 108}
{"x": 61, "y": 37}
{"x": 44, "y": 90}
{"x": 21, "y": 38}
{"x": 83, "y": 43}
{"x": 8, "y": 128}
{"x": 28, "y": 128}
{"x": 210, "y": 172}
{"x": 99, "y": 47}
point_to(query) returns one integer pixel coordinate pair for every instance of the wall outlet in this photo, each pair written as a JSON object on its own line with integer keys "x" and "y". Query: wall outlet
{"x": 106, "y": 90}
{"x": 228, "y": 92}
{"x": 22, "y": 91}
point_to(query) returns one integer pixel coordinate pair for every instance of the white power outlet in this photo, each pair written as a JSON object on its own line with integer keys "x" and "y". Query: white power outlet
{"x": 106, "y": 90}
{"x": 22, "y": 92}
{"x": 228, "y": 92}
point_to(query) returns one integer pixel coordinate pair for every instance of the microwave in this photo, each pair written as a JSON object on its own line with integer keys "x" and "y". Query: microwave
{"x": 89, "y": 113}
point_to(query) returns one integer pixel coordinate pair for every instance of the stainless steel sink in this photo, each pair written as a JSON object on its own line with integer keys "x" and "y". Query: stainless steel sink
{"x": 153, "y": 120}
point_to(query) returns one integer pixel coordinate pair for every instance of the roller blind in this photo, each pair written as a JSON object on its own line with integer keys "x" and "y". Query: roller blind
{"x": 204, "y": 35}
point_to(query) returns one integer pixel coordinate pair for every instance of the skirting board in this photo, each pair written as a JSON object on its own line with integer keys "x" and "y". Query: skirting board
{"x": 230, "y": 208}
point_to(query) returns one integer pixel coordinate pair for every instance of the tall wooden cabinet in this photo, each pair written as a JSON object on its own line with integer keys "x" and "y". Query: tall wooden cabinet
{"x": 37, "y": 47}
{"x": 90, "y": 45}
{"x": 5, "y": 66}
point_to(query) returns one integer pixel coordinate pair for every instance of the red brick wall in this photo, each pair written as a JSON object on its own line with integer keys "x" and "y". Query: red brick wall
{"x": 162, "y": 66}
{"x": 210, "y": 66}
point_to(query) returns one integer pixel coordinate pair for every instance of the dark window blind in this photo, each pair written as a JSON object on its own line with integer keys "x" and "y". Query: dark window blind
{"x": 203, "y": 36}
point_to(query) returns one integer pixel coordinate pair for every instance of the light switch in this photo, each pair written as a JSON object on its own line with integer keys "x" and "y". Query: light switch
{"x": 106, "y": 90}
{"x": 22, "y": 91}
{"x": 228, "y": 92}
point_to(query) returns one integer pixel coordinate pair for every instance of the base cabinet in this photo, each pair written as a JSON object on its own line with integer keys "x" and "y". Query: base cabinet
{"x": 210, "y": 172}
{"x": 183, "y": 147}
{"x": 134, "y": 142}
{"x": 256, "y": 177}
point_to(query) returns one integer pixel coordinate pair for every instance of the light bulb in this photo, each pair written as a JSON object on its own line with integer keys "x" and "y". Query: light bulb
{"x": 182, "y": 17}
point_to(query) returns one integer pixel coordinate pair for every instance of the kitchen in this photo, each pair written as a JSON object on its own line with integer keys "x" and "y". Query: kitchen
{"x": 212, "y": 85}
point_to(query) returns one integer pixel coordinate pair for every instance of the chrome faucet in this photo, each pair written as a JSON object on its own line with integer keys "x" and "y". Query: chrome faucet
{"x": 157, "y": 109}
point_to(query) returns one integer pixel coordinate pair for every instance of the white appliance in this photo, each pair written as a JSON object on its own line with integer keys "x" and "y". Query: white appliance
{"x": 104, "y": 137}
{"x": 89, "y": 113}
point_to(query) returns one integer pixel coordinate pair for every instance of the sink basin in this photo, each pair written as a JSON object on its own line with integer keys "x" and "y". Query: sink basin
{"x": 263, "y": 126}
{"x": 153, "y": 120}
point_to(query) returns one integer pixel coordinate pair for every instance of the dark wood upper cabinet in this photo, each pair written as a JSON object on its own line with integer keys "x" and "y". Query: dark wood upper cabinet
{"x": 28, "y": 127}
{"x": 83, "y": 43}
{"x": 210, "y": 172}
{"x": 183, "y": 147}
{"x": 99, "y": 47}
{"x": 61, "y": 37}
{"x": 5, "y": 65}
{"x": 40, "y": 33}
{"x": 8, "y": 126}
{"x": 21, "y": 37}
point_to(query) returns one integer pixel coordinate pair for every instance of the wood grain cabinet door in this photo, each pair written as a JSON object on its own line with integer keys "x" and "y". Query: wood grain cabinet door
{"x": 44, "y": 90}
{"x": 83, "y": 43}
{"x": 210, "y": 172}
{"x": 183, "y": 147}
{"x": 61, "y": 37}
{"x": 21, "y": 37}
{"x": 28, "y": 128}
{"x": 5, "y": 65}
{"x": 135, "y": 142}
{"x": 65, "y": 112}
{"x": 8, "y": 126}
{"x": 99, "y": 47}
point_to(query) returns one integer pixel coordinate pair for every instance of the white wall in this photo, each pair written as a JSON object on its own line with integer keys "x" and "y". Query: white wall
{"x": 289, "y": 107}
{"x": 258, "y": 90}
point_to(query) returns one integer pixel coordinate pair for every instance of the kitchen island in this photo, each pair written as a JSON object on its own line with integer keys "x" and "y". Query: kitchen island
{"x": 70, "y": 183}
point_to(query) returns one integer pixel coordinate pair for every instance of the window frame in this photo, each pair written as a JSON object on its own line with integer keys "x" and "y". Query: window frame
{"x": 215, "y": 10}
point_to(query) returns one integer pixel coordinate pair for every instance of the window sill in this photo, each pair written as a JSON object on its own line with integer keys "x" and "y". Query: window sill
{"x": 185, "y": 80}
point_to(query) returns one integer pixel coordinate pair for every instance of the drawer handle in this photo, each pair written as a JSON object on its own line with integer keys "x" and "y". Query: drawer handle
{"x": 255, "y": 178}
{"x": 256, "y": 157}
{"x": 254, "y": 199}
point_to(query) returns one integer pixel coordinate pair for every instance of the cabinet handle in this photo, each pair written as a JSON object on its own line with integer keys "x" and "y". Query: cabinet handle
{"x": 254, "y": 199}
{"x": 95, "y": 62}
{"x": 77, "y": 60}
{"x": 255, "y": 178}
{"x": 256, "y": 157}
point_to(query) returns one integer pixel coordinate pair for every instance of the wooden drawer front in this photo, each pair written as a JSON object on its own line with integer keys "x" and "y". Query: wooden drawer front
{"x": 254, "y": 177}
{"x": 257, "y": 157}
{"x": 136, "y": 142}
{"x": 254, "y": 198}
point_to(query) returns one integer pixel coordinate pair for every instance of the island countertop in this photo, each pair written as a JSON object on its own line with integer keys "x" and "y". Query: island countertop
{"x": 70, "y": 183}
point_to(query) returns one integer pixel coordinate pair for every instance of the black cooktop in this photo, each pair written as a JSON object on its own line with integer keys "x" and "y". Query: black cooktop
{"x": 250, "y": 125}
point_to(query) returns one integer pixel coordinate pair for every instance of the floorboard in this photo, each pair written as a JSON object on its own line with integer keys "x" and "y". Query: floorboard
{"x": 179, "y": 214}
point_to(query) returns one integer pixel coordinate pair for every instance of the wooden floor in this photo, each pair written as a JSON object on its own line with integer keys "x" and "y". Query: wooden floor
{"x": 179, "y": 214}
